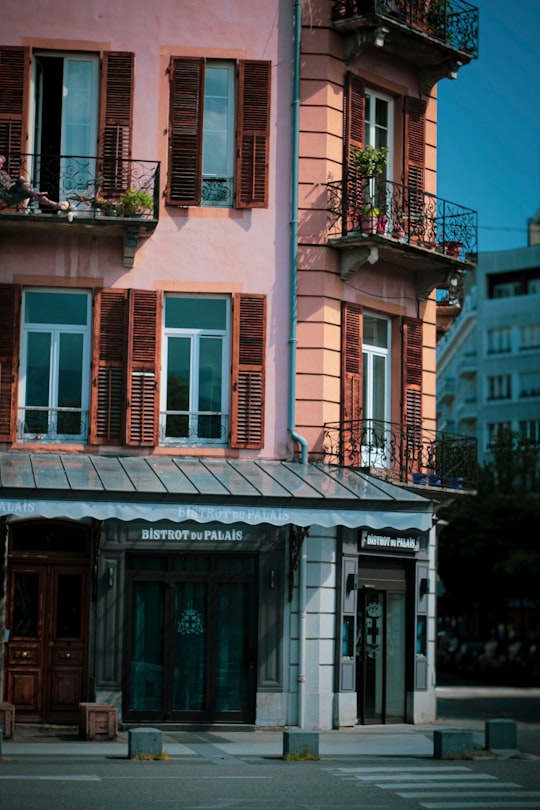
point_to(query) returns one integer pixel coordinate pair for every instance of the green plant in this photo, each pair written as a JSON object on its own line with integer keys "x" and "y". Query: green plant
{"x": 370, "y": 211}
{"x": 135, "y": 201}
{"x": 371, "y": 160}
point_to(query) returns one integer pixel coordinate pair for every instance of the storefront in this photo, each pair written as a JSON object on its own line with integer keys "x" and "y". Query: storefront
{"x": 207, "y": 592}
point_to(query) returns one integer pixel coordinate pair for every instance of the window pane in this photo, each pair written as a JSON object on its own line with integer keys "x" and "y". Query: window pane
{"x": 190, "y": 647}
{"x": 375, "y": 331}
{"x": 45, "y": 307}
{"x": 178, "y": 385}
{"x": 147, "y": 647}
{"x": 232, "y": 647}
{"x": 196, "y": 313}
{"x": 379, "y": 387}
{"x": 37, "y": 375}
{"x": 68, "y": 607}
{"x": 210, "y": 374}
{"x": 26, "y": 606}
{"x": 217, "y": 115}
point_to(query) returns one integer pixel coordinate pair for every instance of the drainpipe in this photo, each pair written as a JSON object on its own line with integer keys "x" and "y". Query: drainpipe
{"x": 302, "y": 587}
{"x": 294, "y": 233}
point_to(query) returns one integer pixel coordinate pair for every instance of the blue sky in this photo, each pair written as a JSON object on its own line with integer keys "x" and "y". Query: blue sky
{"x": 489, "y": 125}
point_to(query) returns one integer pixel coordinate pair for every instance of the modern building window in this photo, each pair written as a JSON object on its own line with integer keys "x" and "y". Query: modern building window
{"x": 194, "y": 407}
{"x": 218, "y": 133}
{"x": 507, "y": 290}
{"x": 529, "y": 336}
{"x": 533, "y": 287}
{"x": 493, "y": 429}
{"x": 499, "y": 386}
{"x": 529, "y": 430}
{"x": 529, "y": 384}
{"x": 499, "y": 341}
{"x": 55, "y": 366}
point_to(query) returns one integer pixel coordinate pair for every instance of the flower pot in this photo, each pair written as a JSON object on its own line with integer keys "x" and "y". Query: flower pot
{"x": 373, "y": 223}
{"x": 453, "y": 249}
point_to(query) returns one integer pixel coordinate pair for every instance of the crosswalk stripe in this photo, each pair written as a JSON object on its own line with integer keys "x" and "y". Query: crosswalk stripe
{"x": 467, "y": 806}
{"x": 407, "y": 776}
{"x": 427, "y": 785}
{"x": 530, "y": 794}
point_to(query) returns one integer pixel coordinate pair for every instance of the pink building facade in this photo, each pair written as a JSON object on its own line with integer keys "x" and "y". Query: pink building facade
{"x": 180, "y": 539}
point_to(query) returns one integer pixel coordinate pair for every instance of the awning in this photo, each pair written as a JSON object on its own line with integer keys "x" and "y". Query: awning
{"x": 165, "y": 488}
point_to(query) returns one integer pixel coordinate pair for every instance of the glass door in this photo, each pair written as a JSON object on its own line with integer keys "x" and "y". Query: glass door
{"x": 380, "y": 656}
{"x": 192, "y": 639}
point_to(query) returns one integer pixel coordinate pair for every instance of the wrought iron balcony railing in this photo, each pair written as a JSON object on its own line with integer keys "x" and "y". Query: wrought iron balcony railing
{"x": 379, "y": 207}
{"x": 93, "y": 186}
{"x": 410, "y": 455}
{"x": 182, "y": 428}
{"x": 41, "y": 423}
{"x": 453, "y": 23}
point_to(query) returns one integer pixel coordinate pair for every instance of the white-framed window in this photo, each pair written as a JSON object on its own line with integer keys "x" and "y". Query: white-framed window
{"x": 499, "y": 341}
{"x": 499, "y": 386}
{"x": 195, "y": 390}
{"x": 218, "y": 134}
{"x": 376, "y": 389}
{"x": 55, "y": 365}
{"x": 65, "y": 108}
{"x": 379, "y": 132}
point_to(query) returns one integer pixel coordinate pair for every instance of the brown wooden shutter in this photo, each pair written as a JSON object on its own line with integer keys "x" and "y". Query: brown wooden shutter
{"x": 14, "y": 84}
{"x": 10, "y": 308}
{"x": 248, "y": 371}
{"x": 354, "y": 137}
{"x": 415, "y": 153}
{"x": 142, "y": 418}
{"x": 412, "y": 376}
{"x": 116, "y": 120}
{"x": 252, "y": 134}
{"x": 350, "y": 434}
{"x": 108, "y": 395}
{"x": 351, "y": 362}
{"x": 354, "y": 115}
{"x": 184, "y": 171}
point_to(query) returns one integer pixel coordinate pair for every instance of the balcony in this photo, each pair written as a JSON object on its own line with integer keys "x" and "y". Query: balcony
{"x": 96, "y": 190}
{"x": 194, "y": 429}
{"x": 372, "y": 219}
{"x": 45, "y": 424}
{"x": 439, "y": 36}
{"x": 404, "y": 454}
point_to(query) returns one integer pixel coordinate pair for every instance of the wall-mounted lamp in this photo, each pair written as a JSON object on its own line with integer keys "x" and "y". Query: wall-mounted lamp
{"x": 272, "y": 579}
{"x": 352, "y": 582}
{"x": 424, "y": 587}
{"x": 111, "y": 576}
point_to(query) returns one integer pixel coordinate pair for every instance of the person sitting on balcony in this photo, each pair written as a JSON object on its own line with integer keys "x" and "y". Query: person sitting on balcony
{"x": 20, "y": 189}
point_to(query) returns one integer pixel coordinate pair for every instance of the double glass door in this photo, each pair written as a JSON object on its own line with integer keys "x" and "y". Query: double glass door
{"x": 380, "y": 656}
{"x": 192, "y": 639}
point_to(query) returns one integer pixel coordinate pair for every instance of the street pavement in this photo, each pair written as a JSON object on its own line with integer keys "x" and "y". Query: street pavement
{"x": 458, "y": 707}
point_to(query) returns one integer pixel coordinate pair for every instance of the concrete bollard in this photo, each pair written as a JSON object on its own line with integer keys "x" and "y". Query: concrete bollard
{"x": 145, "y": 742}
{"x": 501, "y": 733}
{"x": 452, "y": 743}
{"x": 300, "y": 742}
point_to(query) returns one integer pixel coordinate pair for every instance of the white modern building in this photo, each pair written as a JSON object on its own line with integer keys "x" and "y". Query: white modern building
{"x": 488, "y": 363}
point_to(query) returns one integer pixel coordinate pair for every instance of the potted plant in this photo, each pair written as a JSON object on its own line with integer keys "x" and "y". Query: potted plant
{"x": 135, "y": 202}
{"x": 372, "y": 220}
{"x": 370, "y": 161}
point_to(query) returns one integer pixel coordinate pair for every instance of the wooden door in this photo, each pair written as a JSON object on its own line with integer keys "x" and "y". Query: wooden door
{"x": 48, "y": 637}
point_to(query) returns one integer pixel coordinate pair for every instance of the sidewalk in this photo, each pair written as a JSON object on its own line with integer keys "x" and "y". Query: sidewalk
{"x": 228, "y": 745}
{"x": 390, "y": 741}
